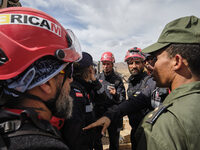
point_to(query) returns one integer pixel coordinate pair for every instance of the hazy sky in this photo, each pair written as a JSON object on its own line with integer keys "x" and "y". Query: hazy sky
{"x": 115, "y": 25}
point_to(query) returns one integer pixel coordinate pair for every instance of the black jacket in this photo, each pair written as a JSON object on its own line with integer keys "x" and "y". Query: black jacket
{"x": 138, "y": 99}
{"x": 109, "y": 100}
{"x": 24, "y": 131}
{"x": 82, "y": 93}
{"x": 144, "y": 84}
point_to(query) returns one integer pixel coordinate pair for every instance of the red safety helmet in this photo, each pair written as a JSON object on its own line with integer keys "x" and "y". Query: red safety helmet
{"x": 135, "y": 53}
{"x": 107, "y": 56}
{"x": 28, "y": 34}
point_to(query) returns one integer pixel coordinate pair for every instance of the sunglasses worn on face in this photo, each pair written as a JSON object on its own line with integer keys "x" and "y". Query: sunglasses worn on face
{"x": 68, "y": 71}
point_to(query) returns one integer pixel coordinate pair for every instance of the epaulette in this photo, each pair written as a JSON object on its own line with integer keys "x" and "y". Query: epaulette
{"x": 153, "y": 116}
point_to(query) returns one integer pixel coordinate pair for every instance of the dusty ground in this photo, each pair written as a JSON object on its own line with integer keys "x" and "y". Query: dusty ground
{"x": 124, "y": 137}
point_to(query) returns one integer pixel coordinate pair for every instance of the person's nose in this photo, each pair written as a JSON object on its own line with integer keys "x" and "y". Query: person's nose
{"x": 133, "y": 65}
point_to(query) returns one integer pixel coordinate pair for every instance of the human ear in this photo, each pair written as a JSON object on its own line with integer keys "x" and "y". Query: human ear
{"x": 47, "y": 87}
{"x": 177, "y": 61}
{"x": 91, "y": 69}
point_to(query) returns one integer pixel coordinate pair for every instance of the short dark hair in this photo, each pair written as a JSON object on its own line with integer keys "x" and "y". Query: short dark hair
{"x": 190, "y": 52}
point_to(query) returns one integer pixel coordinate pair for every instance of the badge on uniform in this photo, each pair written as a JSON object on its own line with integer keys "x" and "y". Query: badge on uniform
{"x": 79, "y": 94}
{"x": 89, "y": 108}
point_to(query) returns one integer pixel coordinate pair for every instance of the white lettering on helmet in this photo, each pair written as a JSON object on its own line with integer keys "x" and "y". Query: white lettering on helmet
{"x": 105, "y": 56}
{"x": 36, "y": 21}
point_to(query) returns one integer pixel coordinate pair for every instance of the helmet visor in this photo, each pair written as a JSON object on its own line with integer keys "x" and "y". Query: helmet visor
{"x": 73, "y": 52}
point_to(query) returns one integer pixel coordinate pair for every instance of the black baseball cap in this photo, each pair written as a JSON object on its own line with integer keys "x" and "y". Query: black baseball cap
{"x": 86, "y": 60}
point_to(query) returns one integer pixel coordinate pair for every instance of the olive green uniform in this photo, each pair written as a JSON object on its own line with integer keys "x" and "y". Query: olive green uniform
{"x": 176, "y": 124}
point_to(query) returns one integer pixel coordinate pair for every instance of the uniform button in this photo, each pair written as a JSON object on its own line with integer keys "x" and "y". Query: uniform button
{"x": 150, "y": 115}
{"x": 156, "y": 109}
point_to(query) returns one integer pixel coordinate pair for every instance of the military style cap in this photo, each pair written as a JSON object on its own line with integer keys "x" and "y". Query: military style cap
{"x": 182, "y": 30}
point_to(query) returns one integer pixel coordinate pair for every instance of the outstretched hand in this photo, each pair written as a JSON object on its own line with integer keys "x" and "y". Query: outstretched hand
{"x": 112, "y": 91}
{"x": 103, "y": 121}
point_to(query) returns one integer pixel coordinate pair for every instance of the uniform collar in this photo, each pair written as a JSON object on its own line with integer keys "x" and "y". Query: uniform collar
{"x": 181, "y": 91}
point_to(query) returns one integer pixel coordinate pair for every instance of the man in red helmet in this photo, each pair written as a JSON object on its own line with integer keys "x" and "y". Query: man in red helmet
{"x": 138, "y": 82}
{"x": 35, "y": 76}
{"x": 113, "y": 87}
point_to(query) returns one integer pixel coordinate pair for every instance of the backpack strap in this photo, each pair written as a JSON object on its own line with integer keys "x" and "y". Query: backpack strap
{"x": 10, "y": 129}
{"x": 30, "y": 132}
{"x": 2, "y": 144}
{"x": 10, "y": 126}
{"x": 21, "y": 125}
{"x": 7, "y": 126}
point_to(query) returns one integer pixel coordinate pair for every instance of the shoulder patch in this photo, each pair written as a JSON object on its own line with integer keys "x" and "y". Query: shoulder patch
{"x": 78, "y": 94}
{"x": 153, "y": 116}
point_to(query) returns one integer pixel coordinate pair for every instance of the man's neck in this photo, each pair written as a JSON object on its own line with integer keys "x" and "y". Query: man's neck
{"x": 178, "y": 81}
